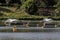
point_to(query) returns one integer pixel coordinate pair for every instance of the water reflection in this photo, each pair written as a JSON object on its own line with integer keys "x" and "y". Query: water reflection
{"x": 30, "y": 36}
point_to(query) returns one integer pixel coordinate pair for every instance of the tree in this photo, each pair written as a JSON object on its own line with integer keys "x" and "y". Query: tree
{"x": 11, "y": 2}
{"x": 2, "y": 1}
{"x": 31, "y": 8}
{"x": 49, "y": 2}
{"x": 39, "y": 3}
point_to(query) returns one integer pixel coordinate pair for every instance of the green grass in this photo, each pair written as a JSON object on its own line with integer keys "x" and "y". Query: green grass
{"x": 9, "y": 12}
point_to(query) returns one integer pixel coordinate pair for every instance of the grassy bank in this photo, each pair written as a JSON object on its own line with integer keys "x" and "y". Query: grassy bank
{"x": 9, "y": 12}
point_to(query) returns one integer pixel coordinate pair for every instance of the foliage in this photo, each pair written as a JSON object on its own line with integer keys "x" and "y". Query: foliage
{"x": 27, "y": 8}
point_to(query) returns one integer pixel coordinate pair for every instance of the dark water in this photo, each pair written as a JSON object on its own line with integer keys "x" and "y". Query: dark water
{"x": 30, "y": 36}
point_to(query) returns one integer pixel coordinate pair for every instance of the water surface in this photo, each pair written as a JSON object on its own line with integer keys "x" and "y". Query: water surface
{"x": 30, "y": 36}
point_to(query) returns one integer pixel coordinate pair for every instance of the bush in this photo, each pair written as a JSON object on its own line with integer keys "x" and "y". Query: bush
{"x": 1, "y": 14}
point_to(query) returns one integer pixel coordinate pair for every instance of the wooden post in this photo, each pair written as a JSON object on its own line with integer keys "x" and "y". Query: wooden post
{"x": 55, "y": 25}
{"x": 14, "y": 29}
{"x": 27, "y": 24}
{"x": 43, "y": 25}
{"x": 37, "y": 25}
{"x": 24, "y": 24}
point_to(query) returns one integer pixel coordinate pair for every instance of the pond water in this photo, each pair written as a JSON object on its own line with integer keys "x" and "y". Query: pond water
{"x": 30, "y": 36}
